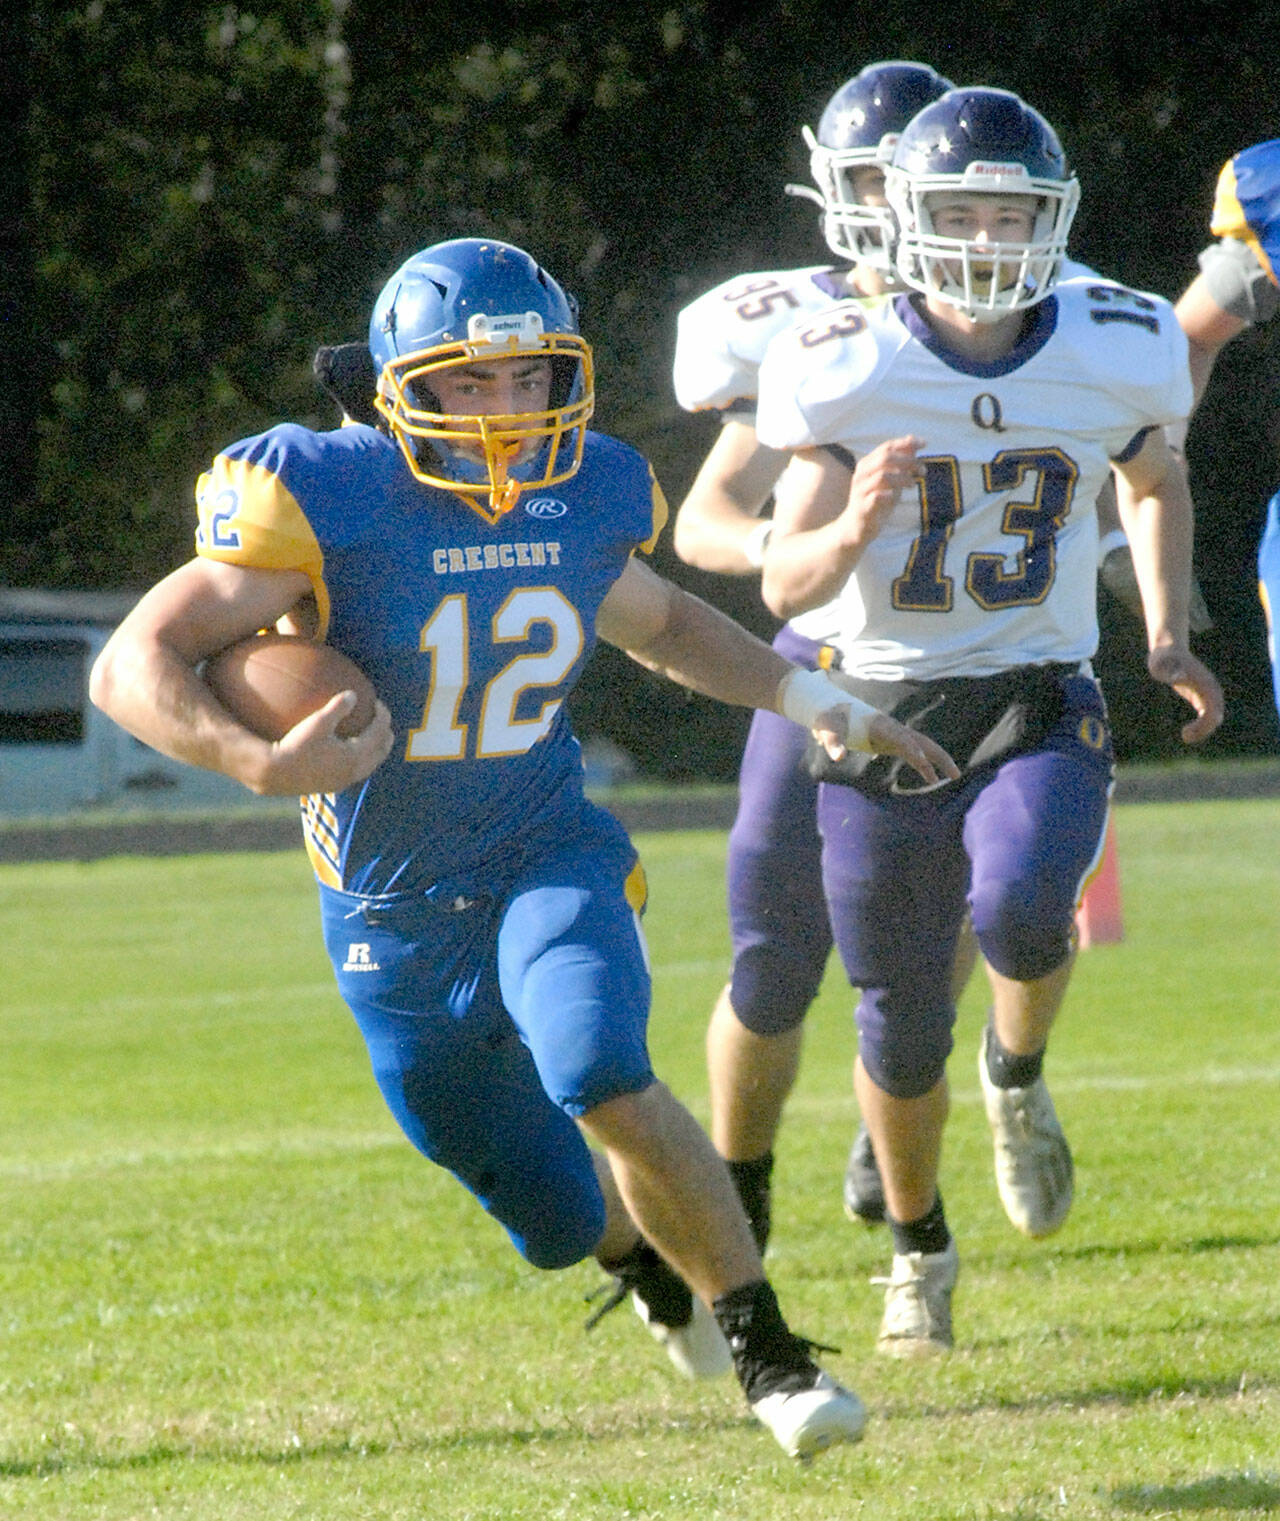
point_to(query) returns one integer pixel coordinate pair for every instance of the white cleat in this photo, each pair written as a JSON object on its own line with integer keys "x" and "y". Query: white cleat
{"x": 699, "y": 1349}
{"x": 806, "y": 1420}
{"x": 917, "y": 1303}
{"x": 1034, "y": 1171}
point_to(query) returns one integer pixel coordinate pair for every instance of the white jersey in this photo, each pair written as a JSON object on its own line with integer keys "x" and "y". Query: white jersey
{"x": 991, "y": 563}
{"x": 721, "y": 339}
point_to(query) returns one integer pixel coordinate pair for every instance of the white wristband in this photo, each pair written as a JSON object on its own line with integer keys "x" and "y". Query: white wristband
{"x": 803, "y": 695}
{"x": 756, "y": 542}
{"x": 1116, "y": 539}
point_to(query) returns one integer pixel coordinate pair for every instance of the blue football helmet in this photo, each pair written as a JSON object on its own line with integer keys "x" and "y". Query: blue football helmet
{"x": 990, "y": 142}
{"x": 859, "y": 126}
{"x": 471, "y": 301}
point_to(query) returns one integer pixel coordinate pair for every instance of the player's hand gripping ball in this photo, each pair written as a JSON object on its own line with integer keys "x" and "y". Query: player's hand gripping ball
{"x": 272, "y": 681}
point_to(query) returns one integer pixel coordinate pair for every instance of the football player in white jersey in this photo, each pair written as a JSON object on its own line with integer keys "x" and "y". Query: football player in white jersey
{"x": 781, "y": 938}
{"x": 950, "y": 444}
{"x": 779, "y": 925}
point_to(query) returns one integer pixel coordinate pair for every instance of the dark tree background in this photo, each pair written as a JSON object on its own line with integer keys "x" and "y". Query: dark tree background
{"x": 196, "y": 194}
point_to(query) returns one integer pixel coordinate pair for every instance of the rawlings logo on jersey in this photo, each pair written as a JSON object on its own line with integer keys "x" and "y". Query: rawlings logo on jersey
{"x": 545, "y": 507}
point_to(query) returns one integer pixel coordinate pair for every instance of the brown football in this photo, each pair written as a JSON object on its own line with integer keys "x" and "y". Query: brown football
{"x": 272, "y": 681}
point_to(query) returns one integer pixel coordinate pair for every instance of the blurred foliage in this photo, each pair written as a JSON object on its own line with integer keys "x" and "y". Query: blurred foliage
{"x": 206, "y": 191}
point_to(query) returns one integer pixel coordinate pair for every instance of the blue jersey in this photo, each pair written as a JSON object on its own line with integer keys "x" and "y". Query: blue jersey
{"x": 1247, "y": 203}
{"x": 473, "y": 634}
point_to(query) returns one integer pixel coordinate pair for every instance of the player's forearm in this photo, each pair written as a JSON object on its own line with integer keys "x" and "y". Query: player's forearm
{"x": 1159, "y": 526}
{"x": 701, "y": 648}
{"x": 806, "y": 570}
{"x": 719, "y": 526}
{"x": 156, "y": 695}
{"x": 714, "y": 532}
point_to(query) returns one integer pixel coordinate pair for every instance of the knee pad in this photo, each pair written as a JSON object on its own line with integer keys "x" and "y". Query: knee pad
{"x": 903, "y": 1043}
{"x": 1024, "y": 932}
{"x": 773, "y": 984}
{"x": 559, "y": 1240}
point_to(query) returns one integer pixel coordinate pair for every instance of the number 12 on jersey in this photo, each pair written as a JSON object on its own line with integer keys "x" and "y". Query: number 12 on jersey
{"x": 447, "y": 638}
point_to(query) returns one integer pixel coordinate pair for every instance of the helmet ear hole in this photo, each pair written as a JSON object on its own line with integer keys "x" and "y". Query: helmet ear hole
{"x": 565, "y": 375}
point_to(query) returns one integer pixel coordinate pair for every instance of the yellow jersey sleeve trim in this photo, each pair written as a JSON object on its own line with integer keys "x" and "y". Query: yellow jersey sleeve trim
{"x": 1229, "y": 219}
{"x": 247, "y": 516}
{"x": 660, "y": 513}
{"x": 636, "y": 889}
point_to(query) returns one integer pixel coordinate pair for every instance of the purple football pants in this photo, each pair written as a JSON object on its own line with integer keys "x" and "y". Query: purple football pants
{"x": 777, "y": 914}
{"x": 1013, "y": 842}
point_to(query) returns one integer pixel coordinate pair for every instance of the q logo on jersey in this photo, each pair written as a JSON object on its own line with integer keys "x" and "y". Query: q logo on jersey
{"x": 985, "y": 412}
{"x": 545, "y": 507}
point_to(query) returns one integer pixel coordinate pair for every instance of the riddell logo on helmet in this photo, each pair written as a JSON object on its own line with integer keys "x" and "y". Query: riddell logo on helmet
{"x": 997, "y": 171}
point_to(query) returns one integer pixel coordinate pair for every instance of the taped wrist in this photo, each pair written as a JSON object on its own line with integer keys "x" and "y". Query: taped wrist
{"x": 756, "y": 542}
{"x": 804, "y": 695}
{"x": 1116, "y": 539}
{"x": 1237, "y": 282}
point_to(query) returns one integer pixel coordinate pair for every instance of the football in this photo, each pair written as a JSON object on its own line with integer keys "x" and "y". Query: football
{"x": 272, "y": 681}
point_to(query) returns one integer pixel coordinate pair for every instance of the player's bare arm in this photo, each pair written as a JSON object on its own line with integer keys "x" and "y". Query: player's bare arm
{"x": 146, "y": 678}
{"x": 825, "y": 517}
{"x": 666, "y": 628}
{"x": 1155, "y": 508}
{"x": 719, "y": 525}
{"x": 1208, "y": 328}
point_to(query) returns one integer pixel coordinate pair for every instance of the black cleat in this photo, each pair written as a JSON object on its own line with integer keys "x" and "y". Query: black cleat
{"x": 863, "y": 1190}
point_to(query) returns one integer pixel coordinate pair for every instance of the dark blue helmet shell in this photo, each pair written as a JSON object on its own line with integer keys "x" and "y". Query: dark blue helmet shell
{"x": 878, "y": 102}
{"x": 969, "y": 126}
{"x": 981, "y": 142}
{"x": 857, "y": 131}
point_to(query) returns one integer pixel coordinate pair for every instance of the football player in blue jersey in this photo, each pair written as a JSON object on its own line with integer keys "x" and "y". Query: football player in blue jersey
{"x": 985, "y": 408}
{"x": 1239, "y": 285}
{"x": 481, "y": 915}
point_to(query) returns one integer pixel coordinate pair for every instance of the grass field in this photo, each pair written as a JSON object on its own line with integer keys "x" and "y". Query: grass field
{"x": 228, "y": 1289}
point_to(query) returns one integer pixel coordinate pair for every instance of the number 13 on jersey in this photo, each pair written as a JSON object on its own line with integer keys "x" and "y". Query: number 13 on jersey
{"x": 1044, "y": 480}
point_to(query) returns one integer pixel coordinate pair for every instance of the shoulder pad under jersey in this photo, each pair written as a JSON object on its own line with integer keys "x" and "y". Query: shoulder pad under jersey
{"x": 1132, "y": 344}
{"x": 812, "y": 373}
{"x": 721, "y": 337}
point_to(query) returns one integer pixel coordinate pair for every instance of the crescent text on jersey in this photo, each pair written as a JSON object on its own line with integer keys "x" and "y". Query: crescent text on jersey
{"x": 461, "y": 559}
{"x": 545, "y": 507}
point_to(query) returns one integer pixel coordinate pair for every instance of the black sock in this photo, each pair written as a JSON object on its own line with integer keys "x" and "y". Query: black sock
{"x": 644, "y": 1271}
{"x": 752, "y": 1180}
{"x": 927, "y": 1234}
{"x": 766, "y": 1354}
{"x": 1007, "y": 1070}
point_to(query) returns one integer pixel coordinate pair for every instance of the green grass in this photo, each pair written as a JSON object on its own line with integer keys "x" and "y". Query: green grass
{"x": 230, "y": 1290}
